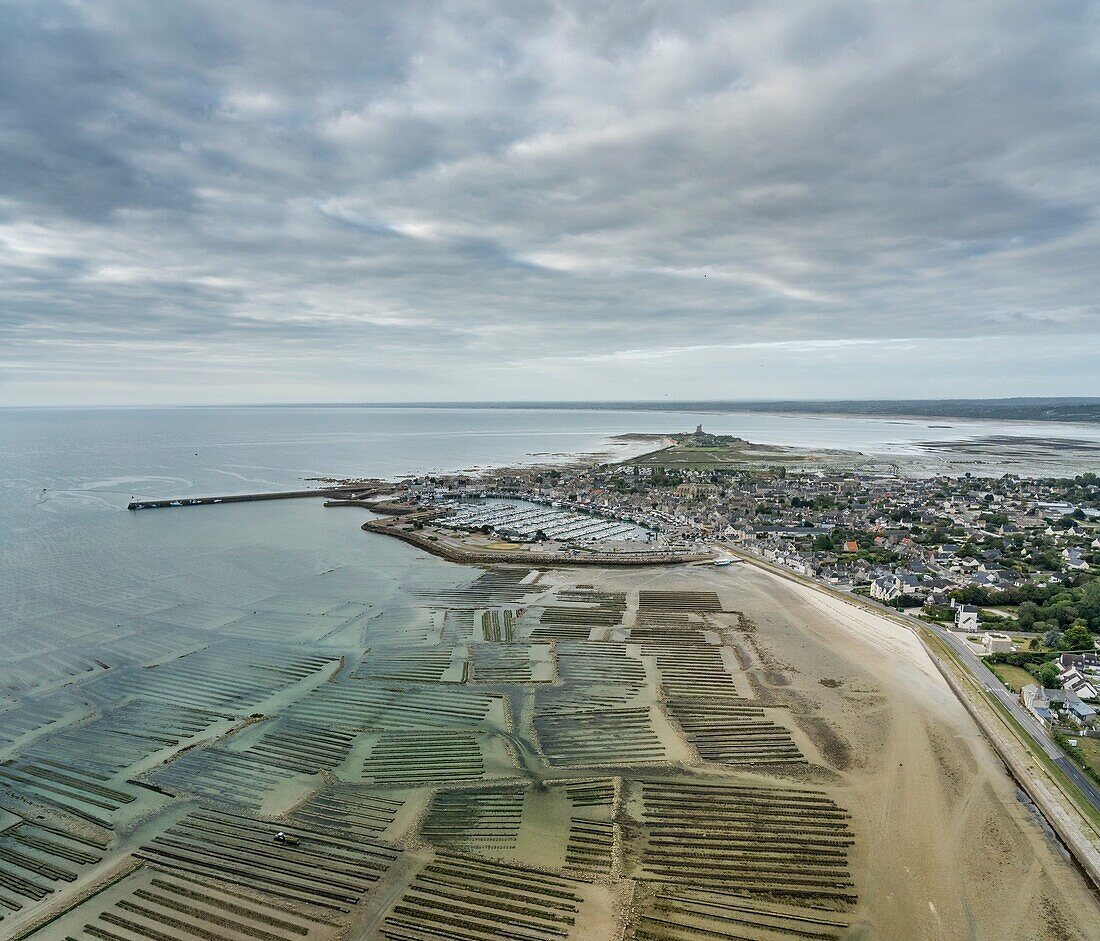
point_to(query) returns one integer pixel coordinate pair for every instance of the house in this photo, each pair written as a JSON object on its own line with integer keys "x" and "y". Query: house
{"x": 1080, "y": 713}
{"x": 1073, "y": 560}
{"x": 1073, "y": 681}
{"x": 1082, "y": 662}
{"x": 885, "y": 587}
{"x": 966, "y": 618}
{"x": 996, "y": 643}
{"x": 1056, "y": 705}
{"x": 850, "y": 546}
{"x": 1037, "y": 704}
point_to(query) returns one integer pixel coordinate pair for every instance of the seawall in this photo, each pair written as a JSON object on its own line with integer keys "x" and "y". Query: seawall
{"x": 470, "y": 556}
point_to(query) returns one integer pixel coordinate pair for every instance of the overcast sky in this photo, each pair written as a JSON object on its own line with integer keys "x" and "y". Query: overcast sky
{"x": 378, "y": 201}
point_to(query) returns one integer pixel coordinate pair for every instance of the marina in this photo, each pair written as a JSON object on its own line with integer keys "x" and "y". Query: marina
{"x": 531, "y": 521}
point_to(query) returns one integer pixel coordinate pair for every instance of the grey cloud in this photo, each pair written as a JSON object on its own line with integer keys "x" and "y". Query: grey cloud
{"x": 506, "y": 182}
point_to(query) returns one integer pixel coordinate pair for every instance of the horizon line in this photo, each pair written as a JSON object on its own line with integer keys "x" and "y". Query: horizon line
{"x": 561, "y": 403}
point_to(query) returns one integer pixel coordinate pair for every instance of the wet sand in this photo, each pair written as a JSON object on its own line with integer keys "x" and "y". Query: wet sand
{"x": 592, "y": 753}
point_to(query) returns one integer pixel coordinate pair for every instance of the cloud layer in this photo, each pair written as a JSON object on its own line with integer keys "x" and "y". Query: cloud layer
{"x": 202, "y": 201}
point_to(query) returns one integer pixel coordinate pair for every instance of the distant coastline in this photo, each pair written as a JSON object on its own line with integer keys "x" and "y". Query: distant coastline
{"x": 1025, "y": 409}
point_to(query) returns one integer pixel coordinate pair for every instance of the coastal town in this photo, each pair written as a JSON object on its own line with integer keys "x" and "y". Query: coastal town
{"x": 1008, "y": 563}
{"x": 907, "y": 541}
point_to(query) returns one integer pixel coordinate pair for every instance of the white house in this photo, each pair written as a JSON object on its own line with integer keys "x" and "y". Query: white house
{"x": 885, "y": 587}
{"x": 1073, "y": 560}
{"x": 966, "y": 618}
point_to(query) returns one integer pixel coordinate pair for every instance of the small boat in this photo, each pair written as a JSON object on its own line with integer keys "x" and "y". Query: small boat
{"x": 722, "y": 562}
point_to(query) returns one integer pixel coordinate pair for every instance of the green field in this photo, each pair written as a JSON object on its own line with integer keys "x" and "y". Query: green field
{"x": 1089, "y": 749}
{"x": 1015, "y": 678}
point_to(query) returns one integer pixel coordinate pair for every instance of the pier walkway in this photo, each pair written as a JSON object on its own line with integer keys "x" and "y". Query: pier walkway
{"x": 347, "y": 493}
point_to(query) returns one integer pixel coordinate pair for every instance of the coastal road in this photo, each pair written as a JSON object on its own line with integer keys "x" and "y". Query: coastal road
{"x": 1008, "y": 699}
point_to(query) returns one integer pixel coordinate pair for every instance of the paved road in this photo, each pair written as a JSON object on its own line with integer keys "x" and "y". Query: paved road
{"x": 985, "y": 676}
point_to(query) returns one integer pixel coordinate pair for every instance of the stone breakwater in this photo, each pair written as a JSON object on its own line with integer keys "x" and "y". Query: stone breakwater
{"x": 338, "y": 492}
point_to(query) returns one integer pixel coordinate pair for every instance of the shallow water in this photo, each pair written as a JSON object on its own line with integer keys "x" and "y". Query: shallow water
{"x": 69, "y": 547}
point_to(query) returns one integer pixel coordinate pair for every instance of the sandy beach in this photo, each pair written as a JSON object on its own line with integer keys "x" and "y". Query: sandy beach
{"x": 948, "y": 849}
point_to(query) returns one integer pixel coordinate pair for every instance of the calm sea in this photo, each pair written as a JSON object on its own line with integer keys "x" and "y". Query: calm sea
{"x": 72, "y": 555}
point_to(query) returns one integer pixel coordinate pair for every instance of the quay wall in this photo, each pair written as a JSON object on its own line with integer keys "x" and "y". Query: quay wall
{"x": 387, "y": 508}
{"x": 471, "y": 556}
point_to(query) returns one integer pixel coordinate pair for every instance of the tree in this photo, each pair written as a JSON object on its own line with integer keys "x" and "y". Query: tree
{"x": 1077, "y": 637}
{"x": 1090, "y": 594}
{"x": 1052, "y": 638}
{"x": 1048, "y": 676}
{"x": 1025, "y": 615}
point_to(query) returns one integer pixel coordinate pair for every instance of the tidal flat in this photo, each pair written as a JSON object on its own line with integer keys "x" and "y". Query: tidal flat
{"x": 456, "y": 752}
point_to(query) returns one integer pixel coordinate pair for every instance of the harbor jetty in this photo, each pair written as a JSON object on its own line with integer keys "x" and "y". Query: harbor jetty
{"x": 343, "y": 493}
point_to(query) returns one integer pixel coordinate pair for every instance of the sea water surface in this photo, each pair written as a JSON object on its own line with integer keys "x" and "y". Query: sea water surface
{"x": 73, "y": 561}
